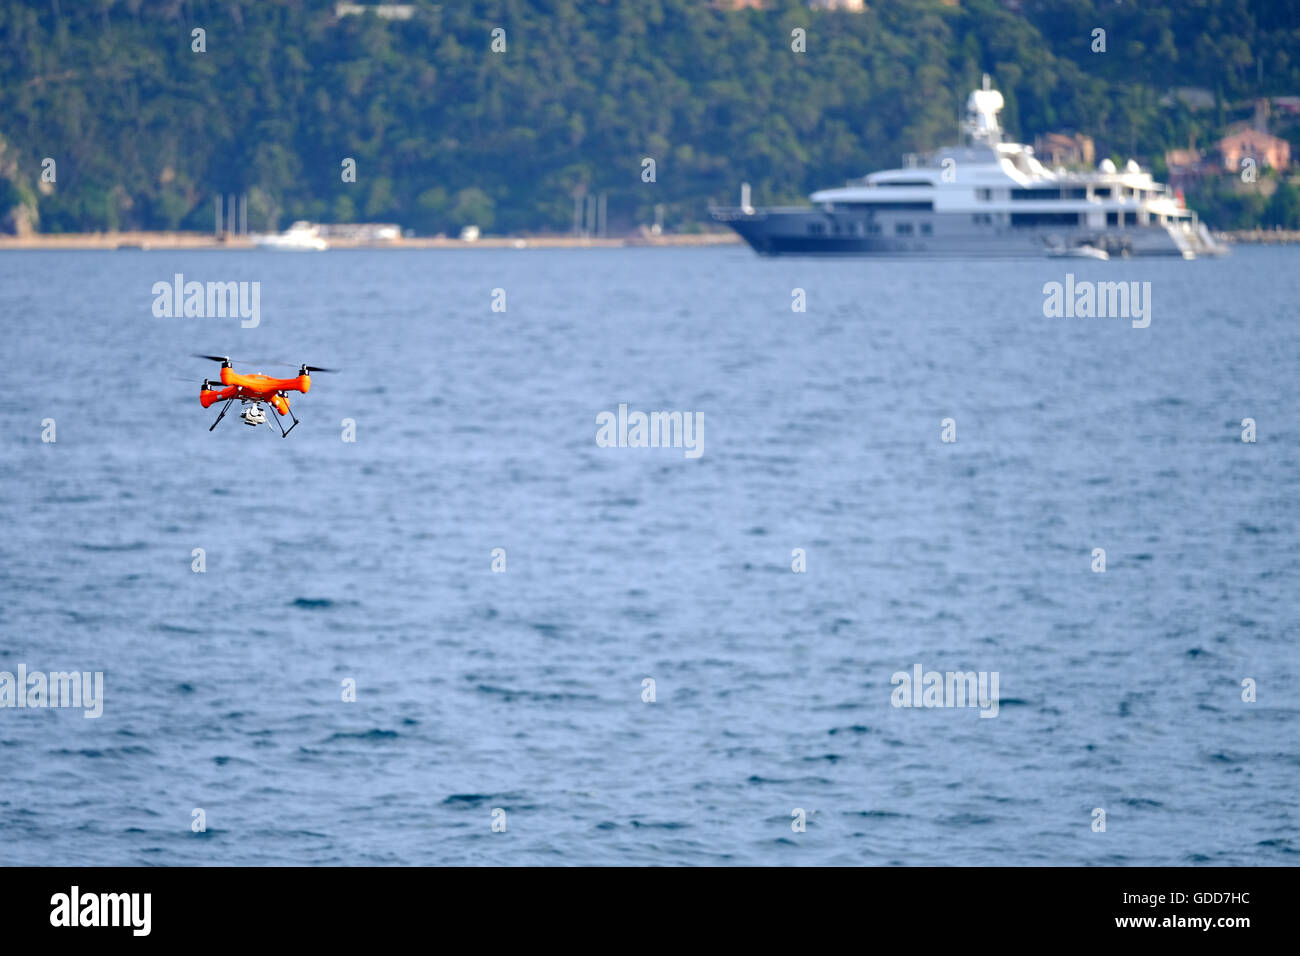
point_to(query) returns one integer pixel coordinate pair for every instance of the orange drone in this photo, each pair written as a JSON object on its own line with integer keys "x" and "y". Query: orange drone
{"x": 254, "y": 389}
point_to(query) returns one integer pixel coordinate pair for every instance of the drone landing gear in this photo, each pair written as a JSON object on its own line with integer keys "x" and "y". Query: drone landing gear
{"x": 224, "y": 408}
{"x": 283, "y": 433}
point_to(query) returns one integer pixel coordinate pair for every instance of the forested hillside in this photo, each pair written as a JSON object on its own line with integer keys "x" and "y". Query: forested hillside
{"x": 144, "y": 131}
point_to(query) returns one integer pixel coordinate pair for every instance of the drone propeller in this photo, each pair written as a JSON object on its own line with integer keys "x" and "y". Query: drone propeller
{"x": 223, "y": 359}
{"x": 306, "y": 369}
{"x": 189, "y": 380}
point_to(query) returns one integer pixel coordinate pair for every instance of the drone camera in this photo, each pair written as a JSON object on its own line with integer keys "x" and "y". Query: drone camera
{"x": 253, "y": 415}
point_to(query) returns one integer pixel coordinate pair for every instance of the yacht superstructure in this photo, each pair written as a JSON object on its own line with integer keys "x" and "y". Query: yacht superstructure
{"x": 986, "y": 197}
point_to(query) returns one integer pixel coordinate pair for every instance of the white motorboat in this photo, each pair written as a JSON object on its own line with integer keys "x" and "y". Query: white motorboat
{"x": 300, "y": 237}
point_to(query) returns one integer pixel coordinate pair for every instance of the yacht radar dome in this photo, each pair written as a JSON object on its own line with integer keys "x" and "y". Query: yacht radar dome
{"x": 1107, "y": 165}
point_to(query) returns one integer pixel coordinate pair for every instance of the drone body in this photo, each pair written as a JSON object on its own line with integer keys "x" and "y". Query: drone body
{"x": 253, "y": 389}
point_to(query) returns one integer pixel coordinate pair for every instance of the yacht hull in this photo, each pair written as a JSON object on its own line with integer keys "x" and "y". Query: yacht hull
{"x": 815, "y": 232}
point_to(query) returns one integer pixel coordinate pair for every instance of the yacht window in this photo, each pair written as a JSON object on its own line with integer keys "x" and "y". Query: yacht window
{"x": 1112, "y": 219}
{"x": 1044, "y": 218}
{"x": 1102, "y": 192}
{"x": 1035, "y": 194}
{"x": 926, "y": 229}
{"x": 921, "y": 205}
{"x": 903, "y": 228}
{"x": 984, "y": 194}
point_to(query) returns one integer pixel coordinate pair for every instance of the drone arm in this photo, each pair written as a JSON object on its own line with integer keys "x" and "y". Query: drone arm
{"x": 210, "y": 397}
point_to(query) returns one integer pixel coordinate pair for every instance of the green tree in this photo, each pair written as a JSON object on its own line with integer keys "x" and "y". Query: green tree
{"x": 472, "y": 207}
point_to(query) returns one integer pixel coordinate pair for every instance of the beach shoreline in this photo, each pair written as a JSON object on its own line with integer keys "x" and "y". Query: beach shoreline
{"x": 1261, "y": 236}
{"x": 145, "y": 240}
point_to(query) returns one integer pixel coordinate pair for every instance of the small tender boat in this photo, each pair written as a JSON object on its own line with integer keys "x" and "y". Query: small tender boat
{"x": 1084, "y": 251}
{"x": 300, "y": 237}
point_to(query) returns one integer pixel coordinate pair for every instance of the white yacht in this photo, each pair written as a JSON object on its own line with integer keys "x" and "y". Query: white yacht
{"x": 300, "y": 237}
{"x": 983, "y": 198}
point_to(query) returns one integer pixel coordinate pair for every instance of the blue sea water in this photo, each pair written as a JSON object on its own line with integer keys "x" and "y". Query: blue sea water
{"x": 329, "y": 561}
